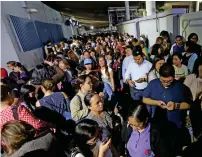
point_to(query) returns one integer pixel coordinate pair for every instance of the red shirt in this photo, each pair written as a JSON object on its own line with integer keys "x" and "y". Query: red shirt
{"x": 121, "y": 49}
{"x": 24, "y": 115}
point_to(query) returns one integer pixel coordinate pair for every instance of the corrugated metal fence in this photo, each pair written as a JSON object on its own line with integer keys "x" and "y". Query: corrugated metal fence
{"x": 32, "y": 34}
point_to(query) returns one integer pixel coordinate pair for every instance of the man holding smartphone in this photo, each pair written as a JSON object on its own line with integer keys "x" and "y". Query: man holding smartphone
{"x": 170, "y": 94}
{"x": 136, "y": 73}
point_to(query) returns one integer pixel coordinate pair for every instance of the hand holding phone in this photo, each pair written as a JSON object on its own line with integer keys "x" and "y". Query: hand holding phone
{"x": 161, "y": 104}
{"x": 106, "y": 139}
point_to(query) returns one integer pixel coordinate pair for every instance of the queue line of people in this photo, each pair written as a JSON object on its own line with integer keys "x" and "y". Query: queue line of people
{"x": 105, "y": 95}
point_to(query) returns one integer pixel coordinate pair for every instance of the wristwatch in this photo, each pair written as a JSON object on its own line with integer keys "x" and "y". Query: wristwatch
{"x": 177, "y": 106}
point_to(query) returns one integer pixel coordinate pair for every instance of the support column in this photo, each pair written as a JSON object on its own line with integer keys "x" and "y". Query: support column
{"x": 127, "y": 10}
{"x": 150, "y": 7}
{"x": 197, "y": 5}
{"x": 191, "y": 6}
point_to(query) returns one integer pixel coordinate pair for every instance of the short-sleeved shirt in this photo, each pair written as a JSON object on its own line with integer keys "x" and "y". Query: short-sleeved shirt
{"x": 177, "y": 92}
{"x": 182, "y": 71}
{"x": 23, "y": 114}
{"x": 55, "y": 102}
{"x": 139, "y": 143}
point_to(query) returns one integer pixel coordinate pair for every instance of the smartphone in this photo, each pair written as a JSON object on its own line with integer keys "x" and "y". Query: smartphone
{"x": 106, "y": 139}
{"x": 163, "y": 104}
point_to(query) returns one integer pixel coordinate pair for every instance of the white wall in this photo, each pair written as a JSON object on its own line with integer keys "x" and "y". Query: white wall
{"x": 149, "y": 26}
{"x": 10, "y": 48}
{"x": 7, "y": 52}
{"x": 194, "y": 26}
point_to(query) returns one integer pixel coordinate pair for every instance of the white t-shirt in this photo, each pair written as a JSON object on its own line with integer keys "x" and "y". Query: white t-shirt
{"x": 104, "y": 76}
{"x": 79, "y": 155}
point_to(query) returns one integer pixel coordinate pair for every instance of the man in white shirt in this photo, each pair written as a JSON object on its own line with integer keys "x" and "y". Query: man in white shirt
{"x": 127, "y": 60}
{"x": 136, "y": 74}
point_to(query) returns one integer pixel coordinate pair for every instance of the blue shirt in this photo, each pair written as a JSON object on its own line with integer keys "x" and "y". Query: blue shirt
{"x": 139, "y": 144}
{"x": 177, "y": 92}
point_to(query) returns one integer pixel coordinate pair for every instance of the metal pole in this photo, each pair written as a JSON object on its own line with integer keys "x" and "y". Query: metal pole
{"x": 197, "y": 5}
{"x": 127, "y": 10}
{"x": 150, "y": 7}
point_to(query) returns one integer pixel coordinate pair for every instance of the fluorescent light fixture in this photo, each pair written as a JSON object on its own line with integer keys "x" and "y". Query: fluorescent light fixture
{"x": 32, "y": 10}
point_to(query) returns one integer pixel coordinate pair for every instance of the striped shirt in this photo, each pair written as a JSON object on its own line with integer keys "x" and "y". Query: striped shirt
{"x": 181, "y": 72}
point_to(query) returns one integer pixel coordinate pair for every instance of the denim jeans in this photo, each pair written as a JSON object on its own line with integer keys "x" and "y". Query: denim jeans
{"x": 136, "y": 94}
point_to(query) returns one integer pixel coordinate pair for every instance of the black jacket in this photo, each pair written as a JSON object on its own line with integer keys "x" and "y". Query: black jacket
{"x": 163, "y": 139}
{"x": 117, "y": 69}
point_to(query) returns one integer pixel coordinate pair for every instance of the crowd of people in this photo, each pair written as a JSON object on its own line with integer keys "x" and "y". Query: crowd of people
{"x": 105, "y": 95}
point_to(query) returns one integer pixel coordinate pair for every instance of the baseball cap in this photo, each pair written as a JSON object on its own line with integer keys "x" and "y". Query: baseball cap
{"x": 87, "y": 61}
{"x": 4, "y": 73}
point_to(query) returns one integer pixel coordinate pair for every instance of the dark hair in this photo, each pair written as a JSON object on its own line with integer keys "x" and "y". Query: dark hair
{"x": 17, "y": 64}
{"x": 167, "y": 70}
{"x": 155, "y": 60}
{"x": 191, "y": 46}
{"x": 15, "y": 133}
{"x": 88, "y": 97}
{"x": 39, "y": 73}
{"x": 179, "y": 36}
{"x": 155, "y": 48}
{"x": 197, "y": 63}
{"x": 24, "y": 96}
{"x": 191, "y": 35}
{"x": 50, "y": 58}
{"x": 57, "y": 59}
{"x": 164, "y": 33}
{"x": 179, "y": 55}
{"x": 47, "y": 42}
{"x": 25, "y": 90}
{"x": 80, "y": 80}
{"x": 137, "y": 50}
{"x": 60, "y": 53}
{"x": 86, "y": 129}
{"x": 134, "y": 40}
{"x": 4, "y": 92}
{"x": 129, "y": 47}
{"x": 139, "y": 110}
{"x": 12, "y": 63}
{"x": 142, "y": 42}
{"x": 106, "y": 67}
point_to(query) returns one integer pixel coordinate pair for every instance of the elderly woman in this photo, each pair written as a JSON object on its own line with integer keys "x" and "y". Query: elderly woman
{"x": 95, "y": 104}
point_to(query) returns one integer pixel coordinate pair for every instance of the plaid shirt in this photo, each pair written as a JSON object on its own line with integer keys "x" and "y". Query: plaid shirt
{"x": 24, "y": 115}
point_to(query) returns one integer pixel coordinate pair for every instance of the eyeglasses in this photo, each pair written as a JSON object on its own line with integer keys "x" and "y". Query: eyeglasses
{"x": 137, "y": 127}
{"x": 166, "y": 82}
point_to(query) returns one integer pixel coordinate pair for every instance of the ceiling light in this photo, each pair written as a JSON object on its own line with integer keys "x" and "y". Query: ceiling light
{"x": 32, "y": 10}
